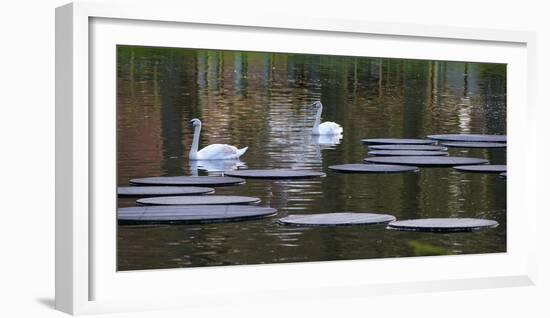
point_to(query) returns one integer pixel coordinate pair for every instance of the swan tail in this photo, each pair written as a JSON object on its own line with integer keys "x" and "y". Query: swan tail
{"x": 241, "y": 151}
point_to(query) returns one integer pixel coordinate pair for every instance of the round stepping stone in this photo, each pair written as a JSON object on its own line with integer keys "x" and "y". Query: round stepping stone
{"x": 274, "y": 174}
{"x": 503, "y": 175}
{"x": 469, "y": 137}
{"x": 187, "y": 181}
{"x": 372, "y": 168}
{"x": 336, "y": 219}
{"x": 482, "y": 168}
{"x": 443, "y": 225}
{"x": 467, "y": 144}
{"x": 408, "y": 147}
{"x": 161, "y": 191}
{"x": 427, "y": 160}
{"x": 407, "y": 153}
{"x": 199, "y": 200}
{"x": 399, "y": 141}
{"x": 157, "y": 214}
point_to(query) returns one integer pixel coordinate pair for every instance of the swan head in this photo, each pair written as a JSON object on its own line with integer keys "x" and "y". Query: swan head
{"x": 316, "y": 105}
{"x": 194, "y": 123}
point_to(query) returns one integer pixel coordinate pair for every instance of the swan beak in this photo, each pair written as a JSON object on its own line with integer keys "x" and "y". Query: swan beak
{"x": 191, "y": 124}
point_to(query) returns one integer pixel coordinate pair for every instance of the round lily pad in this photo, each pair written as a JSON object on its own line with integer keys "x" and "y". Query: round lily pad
{"x": 161, "y": 191}
{"x": 336, "y": 219}
{"x": 441, "y": 161}
{"x": 482, "y": 168}
{"x": 408, "y": 147}
{"x": 407, "y": 153}
{"x": 274, "y": 174}
{"x": 469, "y": 137}
{"x": 198, "y": 200}
{"x": 467, "y": 144}
{"x": 372, "y": 168}
{"x": 443, "y": 225}
{"x": 399, "y": 141}
{"x": 187, "y": 181}
{"x": 190, "y": 214}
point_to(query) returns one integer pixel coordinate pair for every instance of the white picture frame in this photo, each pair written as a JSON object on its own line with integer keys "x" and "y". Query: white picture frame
{"x": 85, "y": 279}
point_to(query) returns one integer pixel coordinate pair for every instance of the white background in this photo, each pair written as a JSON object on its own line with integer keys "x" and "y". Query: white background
{"x": 216, "y": 283}
{"x": 27, "y": 130}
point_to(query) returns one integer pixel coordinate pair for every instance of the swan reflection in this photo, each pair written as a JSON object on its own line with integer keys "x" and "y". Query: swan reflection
{"x": 327, "y": 141}
{"x": 214, "y": 167}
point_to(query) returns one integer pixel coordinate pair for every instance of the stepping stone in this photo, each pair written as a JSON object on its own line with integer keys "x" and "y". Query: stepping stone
{"x": 433, "y": 161}
{"x": 474, "y": 144}
{"x": 443, "y": 225}
{"x": 187, "y": 181}
{"x": 372, "y": 168}
{"x": 385, "y": 141}
{"x": 191, "y": 214}
{"x": 161, "y": 191}
{"x": 199, "y": 200}
{"x": 336, "y": 219}
{"x": 408, "y": 147}
{"x": 482, "y": 168}
{"x": 407, "y": 153}
{"x": 469, "y": 137}
{"x": 503, "y": 175}
{"x": 274, "y": 174}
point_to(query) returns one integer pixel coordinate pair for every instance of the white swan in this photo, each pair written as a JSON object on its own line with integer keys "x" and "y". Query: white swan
{"x": 326, "y": 128}
{"x": 211, "y": 152}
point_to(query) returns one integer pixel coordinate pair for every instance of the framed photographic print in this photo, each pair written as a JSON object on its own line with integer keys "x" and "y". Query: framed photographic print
{"x": 235, "y": 155}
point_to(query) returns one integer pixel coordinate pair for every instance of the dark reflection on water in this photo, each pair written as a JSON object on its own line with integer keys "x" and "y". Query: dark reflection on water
{"x": 260, "y": 100}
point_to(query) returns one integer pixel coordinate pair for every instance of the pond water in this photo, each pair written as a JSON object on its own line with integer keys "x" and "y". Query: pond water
{"x": 261, "y": 100}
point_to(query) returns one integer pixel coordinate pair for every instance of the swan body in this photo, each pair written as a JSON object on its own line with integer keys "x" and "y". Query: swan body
{"x": 214, "y": 151}
{"x": 326, "y": 128}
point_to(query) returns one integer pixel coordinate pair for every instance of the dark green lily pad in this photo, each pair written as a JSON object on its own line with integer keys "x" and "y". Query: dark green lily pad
{"x": 443, "y": 225}
{"x": 469, "y": 137}
{"x": 275, "y": 174}
{"x": 372, "y": 168}
{"x": 482, "y": 168}
{"x": 433, "y": 161}
{"x": 407, "y": 153}
{"x": 399, "y": 141}
{"x": 187, "y": 181}
{"x": 407, "y": 147}
{"x": 474, "y": 144}
{"x": 337, "y": 219}
{"x": 191, "y": 214}
{"x": 161, "y": 191}
{"x": 199, "y": 200}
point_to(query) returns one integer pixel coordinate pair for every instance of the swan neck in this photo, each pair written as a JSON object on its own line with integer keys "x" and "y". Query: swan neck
{"x": 195, "y": 144}
{"x": 318, "y": 117}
